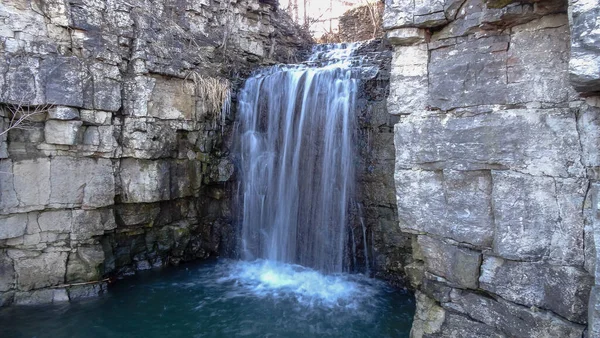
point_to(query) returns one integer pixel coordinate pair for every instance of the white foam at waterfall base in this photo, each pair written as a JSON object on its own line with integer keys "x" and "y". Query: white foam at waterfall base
{"x": 263, "y": 278}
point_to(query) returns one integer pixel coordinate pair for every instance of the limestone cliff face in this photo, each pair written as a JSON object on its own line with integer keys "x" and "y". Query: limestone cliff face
{"x": 497, "y": 164}
{"x": 125, "y": 164}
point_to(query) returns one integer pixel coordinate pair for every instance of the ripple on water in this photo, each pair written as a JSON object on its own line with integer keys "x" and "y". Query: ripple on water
{"x": 225, "y": 299}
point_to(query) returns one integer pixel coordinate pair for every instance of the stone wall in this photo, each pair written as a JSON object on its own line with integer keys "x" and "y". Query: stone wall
{"x": 362, "y": 23}
{"x": 375, "y": 219}
{"x": 124, "y": 164}
{"x": 497, "y": 164}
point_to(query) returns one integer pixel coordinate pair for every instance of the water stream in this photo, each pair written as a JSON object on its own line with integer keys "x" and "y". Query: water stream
{"x": 297, "y": 134}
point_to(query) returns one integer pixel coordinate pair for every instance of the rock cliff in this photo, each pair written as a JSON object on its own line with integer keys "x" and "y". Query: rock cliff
{"x": 497, "y": 164}
{"x": 123, "y": 162}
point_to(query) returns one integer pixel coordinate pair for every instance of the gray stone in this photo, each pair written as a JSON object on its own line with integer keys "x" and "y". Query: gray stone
{"x": 138, "y": 92}
{"x": 6, "y": 298}
{"x": 82, "y": 181}
{"x": 39, "y": 297}
{"x": 56, "y": 221}
{"x": 107, "y": 87}
{"x": 538, "y": 217}
{"x": 63, "y": 113}
{"x": 89, "y": 223}
{"x": 457, "y": 326}
{"x": 31, "y": 181}
{"x": 96, "y": 117}
{"x": 7, "y": 273}
{"x": 594, "y": 312}
{"x": 407, "y": 13}
{"x": 85, "y": 264}
{"x": 522, "y": 140}
{"x": 137, "y": 214}
{"x": 144, "y": 181}
{"x": 584, "y": 64}
{"x": 46, "y": 269}
{"x": 448, "y": 203}
{"x": 23, "y": 83}
{"x": 408, "y": 82}
{"x": 86, "y": 291}
{"x": 562, "y": 289}
{"x": 588, "y": 125}
{"x": 513, "y": 320}
{"x": 63, "y": 80}
{"x": 458, "y": 266}
{"x": 13, "y": 226}
{"x": 429, "y": 317}
{"x": 537, "y": 62}
{"x": 486, "y": 72}
{"x": 62, "y": 132}
{"x": 406, "y": 36}
{"x": 189, "y": 178}
{"x": 172, "y": 99}
{"x": 148, "y": 139}
{"x": 8, "y": 195}
{"x": 100, "y": 138}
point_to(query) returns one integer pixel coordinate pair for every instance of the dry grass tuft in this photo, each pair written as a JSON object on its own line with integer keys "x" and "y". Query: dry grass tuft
{"x": 216, "y": 94}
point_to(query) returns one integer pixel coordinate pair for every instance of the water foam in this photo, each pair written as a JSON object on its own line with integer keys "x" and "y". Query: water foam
{"x": 308, "y": 287}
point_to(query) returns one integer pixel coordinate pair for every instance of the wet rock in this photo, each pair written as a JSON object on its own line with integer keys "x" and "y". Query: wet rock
{"x": 38, "y": 297}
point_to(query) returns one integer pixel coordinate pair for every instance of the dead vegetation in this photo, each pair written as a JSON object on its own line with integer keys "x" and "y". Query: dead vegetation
{"x": 215, "y": 93}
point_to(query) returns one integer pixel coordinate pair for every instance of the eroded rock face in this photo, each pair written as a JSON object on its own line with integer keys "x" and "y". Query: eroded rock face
{"x": 496, "y": 164}
{"x": 124, "y": 165}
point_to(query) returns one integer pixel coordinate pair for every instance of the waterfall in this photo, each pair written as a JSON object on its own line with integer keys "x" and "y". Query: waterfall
{"x": 297, "y": 128}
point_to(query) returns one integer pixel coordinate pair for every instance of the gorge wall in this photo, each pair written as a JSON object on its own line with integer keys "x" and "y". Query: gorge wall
{"x": 125, "y": 162}
{"x": 497, "y": 158}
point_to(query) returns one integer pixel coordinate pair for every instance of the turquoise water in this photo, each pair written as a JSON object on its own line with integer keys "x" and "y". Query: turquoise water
{"x": 225, "y": 299}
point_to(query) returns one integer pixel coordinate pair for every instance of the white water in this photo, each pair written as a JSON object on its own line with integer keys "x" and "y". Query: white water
{"x": 308, "y": 287}
{"x": 297, "y": 131}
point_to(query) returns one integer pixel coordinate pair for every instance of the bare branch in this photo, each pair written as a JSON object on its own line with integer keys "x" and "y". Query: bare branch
{"x": 19, "y": 115}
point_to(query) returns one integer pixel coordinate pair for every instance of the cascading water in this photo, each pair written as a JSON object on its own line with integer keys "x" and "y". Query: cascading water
{"x": 297, "y": 126}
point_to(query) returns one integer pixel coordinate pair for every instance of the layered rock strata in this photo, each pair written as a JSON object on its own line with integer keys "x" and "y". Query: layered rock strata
{"x": 497, "y": 164}
{"x": 124, "y": 163}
